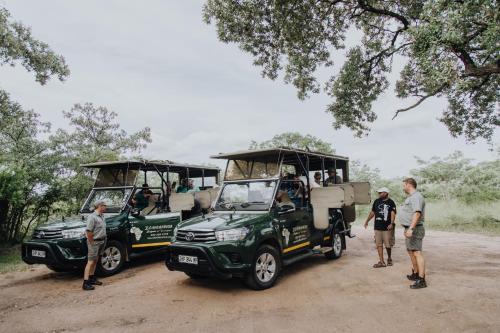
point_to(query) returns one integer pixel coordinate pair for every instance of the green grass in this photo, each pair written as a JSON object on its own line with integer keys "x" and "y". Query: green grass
{"x": 456, "y": 216}
{"x": 10, "y": 259}
{"x": 482, "y": 218}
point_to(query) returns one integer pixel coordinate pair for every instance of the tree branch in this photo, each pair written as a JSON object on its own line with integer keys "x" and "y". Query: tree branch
{"x": 362, "y": 4}
{"x": 423, "y": 98}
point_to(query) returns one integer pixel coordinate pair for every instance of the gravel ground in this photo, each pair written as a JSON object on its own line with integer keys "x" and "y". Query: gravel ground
{"x": 311, "y": 296}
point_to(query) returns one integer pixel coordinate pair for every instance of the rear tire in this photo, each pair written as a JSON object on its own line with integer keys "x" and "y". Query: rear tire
{"x": 337, "y": 243}
{"x": 265, "y": 270}
{"x": 112, "y": 260}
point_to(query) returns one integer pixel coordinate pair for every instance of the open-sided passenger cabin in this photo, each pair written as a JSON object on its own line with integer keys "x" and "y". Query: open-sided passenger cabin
{"x": 161, "y": 176}
{"x": 295, "y": 165}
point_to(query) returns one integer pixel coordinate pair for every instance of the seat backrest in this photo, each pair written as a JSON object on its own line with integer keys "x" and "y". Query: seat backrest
{"x": 203, "y": 198}
{"x": 214, "y": 192}
{"x": 322, "y": 199}
{"x": 181, "y": 201}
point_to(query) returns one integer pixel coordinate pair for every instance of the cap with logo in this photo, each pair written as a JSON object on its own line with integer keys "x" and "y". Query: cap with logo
{"x": 383, "y": 189}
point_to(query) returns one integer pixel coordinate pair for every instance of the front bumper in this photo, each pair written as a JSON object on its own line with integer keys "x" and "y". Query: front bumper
{"x": 214, "y": 261}
{"x": 58, "y": 253}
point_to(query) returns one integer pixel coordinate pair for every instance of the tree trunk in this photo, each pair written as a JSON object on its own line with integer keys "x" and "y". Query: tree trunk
{"x": 4, "y": 211}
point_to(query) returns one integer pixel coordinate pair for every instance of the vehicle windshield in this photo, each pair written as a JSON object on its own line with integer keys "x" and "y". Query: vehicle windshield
{"x": 255, "y": 195}
{"x": 115, "y": 199}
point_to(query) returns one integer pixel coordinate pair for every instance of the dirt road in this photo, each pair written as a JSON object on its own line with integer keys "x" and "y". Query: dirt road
{"x": 314, "y": 295}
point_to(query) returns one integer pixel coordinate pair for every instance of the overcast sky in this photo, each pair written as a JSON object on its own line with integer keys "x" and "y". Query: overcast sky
{"x": 157, "y": 64}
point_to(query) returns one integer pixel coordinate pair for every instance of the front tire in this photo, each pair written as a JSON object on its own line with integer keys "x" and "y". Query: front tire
{"x": 112, "y": 260}
{"x": 265, "y": 270}
{"x": 337, "y": 243}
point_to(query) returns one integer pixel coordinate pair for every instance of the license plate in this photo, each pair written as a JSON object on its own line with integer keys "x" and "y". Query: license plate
{"x": 188, "y": 260}
{"x": 38, "y": 253}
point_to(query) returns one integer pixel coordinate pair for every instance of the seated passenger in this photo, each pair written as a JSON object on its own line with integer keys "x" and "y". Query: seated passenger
{"x": 333, "y": 178}
{"x": 141, "y": 198}
{"x": 283, "y": 199}
{"x": 317, "y": 178}
{"x": 191, "y": 187}
{"x": 183, "y": 187}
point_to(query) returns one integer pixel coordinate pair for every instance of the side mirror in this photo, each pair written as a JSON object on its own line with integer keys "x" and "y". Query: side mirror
{"x": 285, "y": 209}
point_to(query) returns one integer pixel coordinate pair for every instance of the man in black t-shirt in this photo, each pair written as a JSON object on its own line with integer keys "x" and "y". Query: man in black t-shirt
{"x": 384, "y": 211}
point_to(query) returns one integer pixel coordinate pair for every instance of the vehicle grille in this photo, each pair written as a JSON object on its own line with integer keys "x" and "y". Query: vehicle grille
{"x": 47, "y": 234}
{"x": 195, "y": 235}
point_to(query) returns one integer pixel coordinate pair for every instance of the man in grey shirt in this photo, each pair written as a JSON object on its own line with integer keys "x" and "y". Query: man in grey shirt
{"x": 412, "y": 216}
{"x": 96, "y": 241}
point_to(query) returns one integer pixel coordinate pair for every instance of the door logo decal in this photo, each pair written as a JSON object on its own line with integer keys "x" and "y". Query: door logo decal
{"x": 286, "y": 234}
{"x": 137, "y": 233}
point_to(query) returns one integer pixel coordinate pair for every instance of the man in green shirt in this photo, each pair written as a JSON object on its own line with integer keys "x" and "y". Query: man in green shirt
{"x": 412, "y": 216}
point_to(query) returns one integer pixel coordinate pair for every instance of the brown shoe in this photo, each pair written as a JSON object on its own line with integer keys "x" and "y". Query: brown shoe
{"x": 389, "y": 262}
{"x": 379, "y": 264}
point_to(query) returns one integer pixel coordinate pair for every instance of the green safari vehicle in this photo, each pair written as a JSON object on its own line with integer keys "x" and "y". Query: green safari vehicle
{"x": 132, "y": 229}
{"x": 269, "y": 214}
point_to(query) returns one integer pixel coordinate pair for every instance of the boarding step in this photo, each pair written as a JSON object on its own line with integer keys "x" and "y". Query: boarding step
{"x": 298, "y": 257}
{"x": 322, "y": 249}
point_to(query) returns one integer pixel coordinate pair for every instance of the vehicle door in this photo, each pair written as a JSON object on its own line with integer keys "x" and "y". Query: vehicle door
{"x": 293, "y": 223}
{"x": 152, "y": 227}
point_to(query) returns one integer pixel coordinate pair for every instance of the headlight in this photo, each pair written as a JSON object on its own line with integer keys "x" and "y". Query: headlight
{"x": 232, "y": 234}
{"x": 74, "y": 233}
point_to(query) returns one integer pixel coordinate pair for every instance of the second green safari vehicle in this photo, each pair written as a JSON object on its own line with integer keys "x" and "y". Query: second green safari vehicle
{"x": 269, "y": 214}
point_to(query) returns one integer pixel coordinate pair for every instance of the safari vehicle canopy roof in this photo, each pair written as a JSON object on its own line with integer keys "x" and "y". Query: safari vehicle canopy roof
{"x": 263, "y": 163}
{"x": 157, "y": 165}
{"x": 124, "y": 173}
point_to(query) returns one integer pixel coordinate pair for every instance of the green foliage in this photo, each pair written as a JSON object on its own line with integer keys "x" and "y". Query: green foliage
{"x": 29, "y": 181}
{"x": 360, "y": 172}
{"x": 441, "y": 178}
{"x": 455, "y": 177}
{"x": 95, "y": 135}
{"x": 295, "y": 140}
{"x": 18, "y": 45}
{"x": 451, "y": 48}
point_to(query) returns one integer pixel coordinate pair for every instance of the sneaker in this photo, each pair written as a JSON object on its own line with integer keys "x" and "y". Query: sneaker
{"x": 412, "y": 277}
{"x": 419, "y": 283}
{"x": 95, "y": 282}
{"x": 87, "y": 286}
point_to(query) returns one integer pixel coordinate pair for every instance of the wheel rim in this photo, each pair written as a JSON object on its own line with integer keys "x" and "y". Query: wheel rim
{"x": 265, "y": 267}
{"x": 111, "y": 258}
{"x": 337, "y": 244}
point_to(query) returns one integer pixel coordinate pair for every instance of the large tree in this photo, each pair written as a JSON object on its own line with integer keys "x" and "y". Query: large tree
{"x": 451, "y": 49}
{"x": 29, "y": 172}
{"x": 29, "y": 181}
{"x": 94, "y": 135}
{"x": 295, "y": 140}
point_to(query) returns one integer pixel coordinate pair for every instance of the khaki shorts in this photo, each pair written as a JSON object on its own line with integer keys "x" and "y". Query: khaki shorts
{"x": 414, "y": 243}
{"x": 95, "y": 250}
{"x": 384, "y": 237}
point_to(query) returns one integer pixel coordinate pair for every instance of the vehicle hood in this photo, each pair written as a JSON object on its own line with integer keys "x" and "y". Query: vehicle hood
{"x": 72, "y": 222}
{"x": 222, "y": 221}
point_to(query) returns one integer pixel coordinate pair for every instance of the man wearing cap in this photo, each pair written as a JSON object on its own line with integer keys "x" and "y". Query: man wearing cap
{"x": 412, "y": 219}
{"x": 384, "y": 211}
{"x": 333, "y": 178}
{"x": 96, "y": 241}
